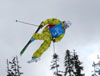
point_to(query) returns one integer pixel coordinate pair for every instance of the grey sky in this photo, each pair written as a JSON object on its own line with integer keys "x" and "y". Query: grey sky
{"x": 83, "y": 35}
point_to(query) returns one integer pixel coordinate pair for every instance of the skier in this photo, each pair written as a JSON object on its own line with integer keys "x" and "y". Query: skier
{"x": 54, "y": 31}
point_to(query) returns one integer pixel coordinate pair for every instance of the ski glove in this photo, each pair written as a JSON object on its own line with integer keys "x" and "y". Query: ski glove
{"x": 53, "y": 39}
{"x": 40, "y": 26}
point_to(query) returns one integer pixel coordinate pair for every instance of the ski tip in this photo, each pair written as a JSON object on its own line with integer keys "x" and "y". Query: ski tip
{"x": 21, "y": 52}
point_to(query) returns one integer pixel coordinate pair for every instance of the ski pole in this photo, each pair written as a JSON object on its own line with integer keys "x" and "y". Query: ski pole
{"x": 26, "y": 23}
{"x": 22, "y": 51}
{"x": 54, "y": 47}
{"x": 30, "y": 24}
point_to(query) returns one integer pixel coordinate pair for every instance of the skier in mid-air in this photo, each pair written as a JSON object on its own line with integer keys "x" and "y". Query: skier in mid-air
{"x": 54, "y": 31}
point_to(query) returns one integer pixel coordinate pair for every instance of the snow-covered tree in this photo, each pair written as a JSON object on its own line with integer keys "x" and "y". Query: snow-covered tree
{"x": 72, "y": 64}
{"x": 13, "y": 68}
{"x": 96, "y": 67}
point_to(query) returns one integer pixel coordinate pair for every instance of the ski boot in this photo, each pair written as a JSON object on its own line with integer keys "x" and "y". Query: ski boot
{"x": 34, "y": 59}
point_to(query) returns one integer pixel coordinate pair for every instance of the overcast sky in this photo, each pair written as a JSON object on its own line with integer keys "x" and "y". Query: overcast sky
{"x": 83, "y": 35}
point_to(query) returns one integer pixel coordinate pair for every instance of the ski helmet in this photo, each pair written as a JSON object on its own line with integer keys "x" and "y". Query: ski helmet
{"x": 67, "y": 23}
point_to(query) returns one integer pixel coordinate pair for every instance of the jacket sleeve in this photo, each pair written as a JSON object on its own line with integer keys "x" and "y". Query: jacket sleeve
{"x": 52, "y": 21}
{"x": 59, "y": 38}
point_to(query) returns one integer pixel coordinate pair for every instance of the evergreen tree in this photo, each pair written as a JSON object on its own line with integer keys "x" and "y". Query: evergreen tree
{"x": 55, "y": 65}
{"x": 77, "y": 65}
{"x": 13, "y": 67}
{"x": 72, "y": 65}
{"x": 69, "y": 64}
{"x": 96, "y": 67}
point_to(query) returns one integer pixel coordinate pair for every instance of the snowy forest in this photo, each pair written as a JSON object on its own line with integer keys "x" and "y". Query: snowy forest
{"x": 72, "y": 66}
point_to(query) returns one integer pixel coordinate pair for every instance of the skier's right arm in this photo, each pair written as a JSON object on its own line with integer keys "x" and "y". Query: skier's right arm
{"x": 52, "y": 21}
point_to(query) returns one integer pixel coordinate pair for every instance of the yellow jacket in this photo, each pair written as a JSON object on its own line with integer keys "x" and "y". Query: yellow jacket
{"x": 52, "y": 21}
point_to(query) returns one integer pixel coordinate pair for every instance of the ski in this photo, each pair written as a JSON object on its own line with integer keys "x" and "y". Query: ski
{"x": 33, "y": 60}
{"x": 23, "y": 50}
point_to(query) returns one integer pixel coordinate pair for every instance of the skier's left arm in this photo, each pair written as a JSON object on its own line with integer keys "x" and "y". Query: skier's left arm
{"x": 59, "y": 38}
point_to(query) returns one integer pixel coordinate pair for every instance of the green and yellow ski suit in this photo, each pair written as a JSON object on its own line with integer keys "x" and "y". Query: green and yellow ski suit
{"x": 46, "y": 36}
